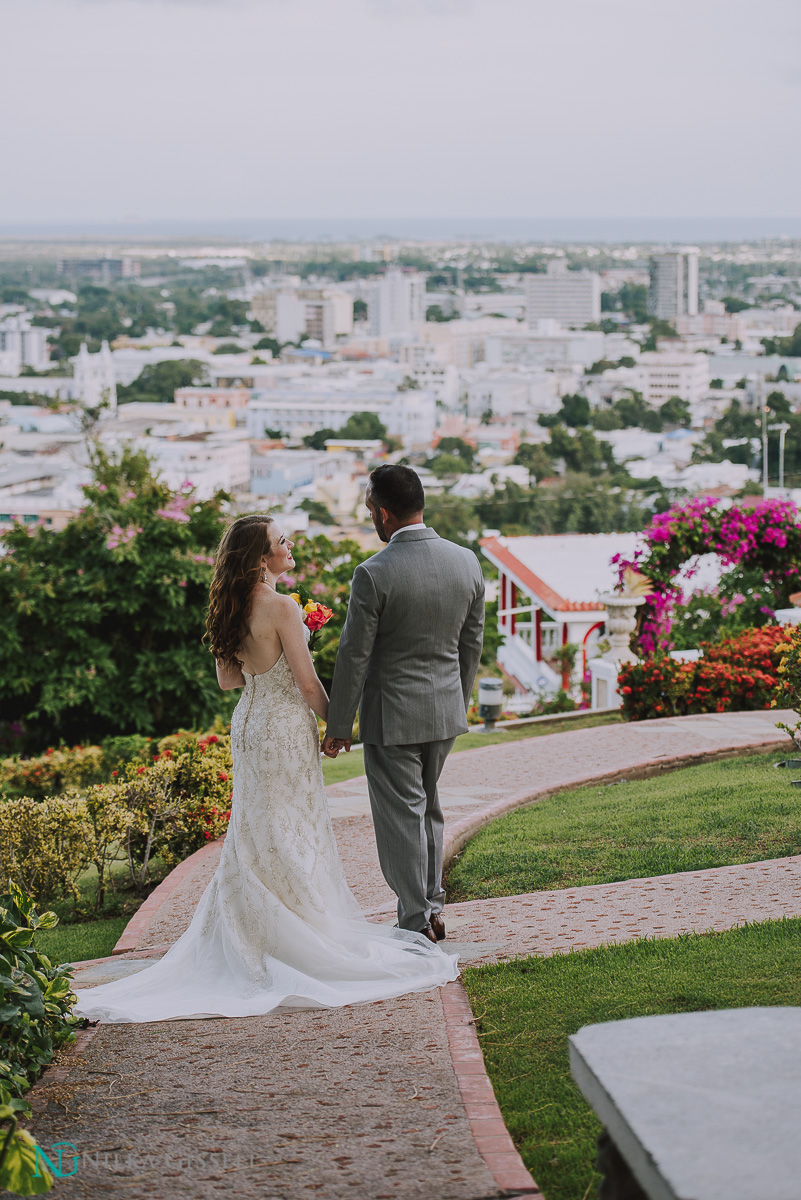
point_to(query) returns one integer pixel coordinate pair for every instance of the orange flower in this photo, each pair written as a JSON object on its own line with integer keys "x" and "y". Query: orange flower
{"x": 318, "y": 616}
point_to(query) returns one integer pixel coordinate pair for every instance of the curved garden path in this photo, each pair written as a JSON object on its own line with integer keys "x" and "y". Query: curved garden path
{"x": 390, "y": 1099}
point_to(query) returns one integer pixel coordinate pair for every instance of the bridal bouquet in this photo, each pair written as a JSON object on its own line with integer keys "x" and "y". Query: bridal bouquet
{"x": 315, "y": 615}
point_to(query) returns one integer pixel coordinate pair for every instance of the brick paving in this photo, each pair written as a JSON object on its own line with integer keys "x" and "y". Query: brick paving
{"x": 419, "y": 1049}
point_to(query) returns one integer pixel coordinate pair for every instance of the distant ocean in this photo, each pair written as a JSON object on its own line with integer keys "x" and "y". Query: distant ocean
{"x": 614, "y": 230}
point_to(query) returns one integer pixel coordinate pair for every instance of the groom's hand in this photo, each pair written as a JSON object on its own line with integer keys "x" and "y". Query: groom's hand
{"x": 332, "y": 746}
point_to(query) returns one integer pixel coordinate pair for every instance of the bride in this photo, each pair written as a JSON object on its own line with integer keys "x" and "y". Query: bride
{"x": 277, "y": 924}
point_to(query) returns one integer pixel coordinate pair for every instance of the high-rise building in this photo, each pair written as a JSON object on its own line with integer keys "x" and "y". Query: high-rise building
{"x": 674, "y": 284}
{"x": 569, "y": 297}
{"x": 396, "y": 303}
{"x": 23, "y": 345}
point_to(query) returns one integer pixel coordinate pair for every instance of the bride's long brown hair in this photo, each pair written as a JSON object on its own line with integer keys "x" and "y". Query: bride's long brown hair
{"x": 237, "y": 570}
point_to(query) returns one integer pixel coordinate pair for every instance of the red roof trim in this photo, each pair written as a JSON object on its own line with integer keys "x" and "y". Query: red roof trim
{"x": 551, "y": 598}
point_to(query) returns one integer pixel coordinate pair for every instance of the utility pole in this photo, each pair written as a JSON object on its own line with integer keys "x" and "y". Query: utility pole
{"x": 760, "y": 389}
{"x": 782, "y": 428}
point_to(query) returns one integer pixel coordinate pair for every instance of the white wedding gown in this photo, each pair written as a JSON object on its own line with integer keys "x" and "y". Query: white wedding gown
{"x": 277, "y": 924}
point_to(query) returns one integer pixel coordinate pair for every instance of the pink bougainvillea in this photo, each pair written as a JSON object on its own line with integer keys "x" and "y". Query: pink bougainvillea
{"x": 764, "y": 540}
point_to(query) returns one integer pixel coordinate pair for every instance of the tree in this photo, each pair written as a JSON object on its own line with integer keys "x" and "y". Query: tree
{"x": 434, "y": 312}
{"x": 659, "y": 329}
{"x": 575, "y": 410}
{"x": 675, "y": 411}
{"x": 359, "y": 310}
{"x": 605, "y": 419}
{"x": 733, "y": 304}
{"x": 103, "y": 620}
{"x": 158, "y": 381}
{"x": 228, "y": 348}
{"x": 364, "y": 426}
{"x": 459, "y": 447}
{"x": 535, "y": 457}
{"x": 317, "y": 511}
{"x": 453, "y": 518}
{"x": 737, "y": 423}
{"x": 317, "y": 440}
{"x": 269, "y": 343}
{"x": 581, "y": 453}
{"x": 779, "y": 405}
{"x": 633, "y": 298}
{"x": 447, "y": 464}
{"x": 634, "y": 413}
{"x": 789, "y": 346}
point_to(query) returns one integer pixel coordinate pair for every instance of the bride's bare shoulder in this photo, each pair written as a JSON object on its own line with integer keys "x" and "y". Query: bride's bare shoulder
{"x": 270, "y": 608}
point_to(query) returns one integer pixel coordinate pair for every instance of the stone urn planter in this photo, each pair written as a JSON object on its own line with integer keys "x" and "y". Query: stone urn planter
{"x": 620, "y": 624}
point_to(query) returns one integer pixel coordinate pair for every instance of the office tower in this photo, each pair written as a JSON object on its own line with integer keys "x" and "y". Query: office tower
{"x": 674, "y": 284}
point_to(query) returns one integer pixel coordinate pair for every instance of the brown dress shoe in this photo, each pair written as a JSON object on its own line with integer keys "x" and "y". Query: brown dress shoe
{"x": 428, "y": 932}
{"x": 438, "y": 925}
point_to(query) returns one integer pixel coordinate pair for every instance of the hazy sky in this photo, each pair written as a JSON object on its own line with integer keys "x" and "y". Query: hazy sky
{"x": 136, "y": 109}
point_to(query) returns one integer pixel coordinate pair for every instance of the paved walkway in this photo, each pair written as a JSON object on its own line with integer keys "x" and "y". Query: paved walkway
{"x": 371, "y": 1102}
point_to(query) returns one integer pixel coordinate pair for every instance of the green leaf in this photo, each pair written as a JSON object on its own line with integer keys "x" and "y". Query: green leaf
{"x": 20, "y": 1174}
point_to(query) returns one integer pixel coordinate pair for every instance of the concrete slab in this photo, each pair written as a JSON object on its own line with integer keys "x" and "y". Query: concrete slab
{"x": 702, "y": 1106}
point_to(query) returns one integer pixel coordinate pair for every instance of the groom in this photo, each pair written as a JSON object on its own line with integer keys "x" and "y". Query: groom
{"x": 409, "y": 653}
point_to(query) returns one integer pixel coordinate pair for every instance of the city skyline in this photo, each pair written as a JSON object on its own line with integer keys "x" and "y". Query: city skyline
{"x": 129, "y": 112}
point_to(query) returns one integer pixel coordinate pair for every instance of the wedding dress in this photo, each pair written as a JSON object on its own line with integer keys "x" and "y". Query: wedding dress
{"x": 277, "y": 924}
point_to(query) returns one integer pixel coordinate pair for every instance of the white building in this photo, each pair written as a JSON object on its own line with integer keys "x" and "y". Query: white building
{"x": 280, "y": 472}
{"x": 546, "y": 345}
{"x": 396, "y": 303}
{"x": 674, "y": 284}
{"x": 410, "y": 415}
{"x": 213, "y": 462}
{"x": 509, "y": 393}
{"x": 669, "y": 373}
{"x": 22, "y": 345}
{"x": 94, "y": 377}
{"x": 570, "y": 297}
{"x": 548, "y": 598}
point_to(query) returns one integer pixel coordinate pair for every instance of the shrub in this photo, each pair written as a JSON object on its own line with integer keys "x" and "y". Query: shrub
{"x": 166, "y": 808}
{"x": 45, "y": 845}
{"x": 35, "y": 996}
{"x": 788, "y": 692}
{"x": 57, "y": 770}
{"x": 739, "y": 673}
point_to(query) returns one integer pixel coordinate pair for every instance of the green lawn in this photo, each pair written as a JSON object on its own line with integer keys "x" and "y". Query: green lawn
{"x": 734, "y": 811}
{"x": 526, "y": 1010}
{"x": 74, "y": 943}
{"x": 348, "y": 766}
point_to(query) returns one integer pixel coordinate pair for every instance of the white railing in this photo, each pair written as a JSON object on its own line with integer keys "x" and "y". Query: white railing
{"x": 550, "y": 637}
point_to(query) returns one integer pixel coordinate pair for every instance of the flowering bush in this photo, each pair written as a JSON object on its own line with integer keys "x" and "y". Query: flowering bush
{"x": 166, "y": 808}
{"x": 103, "y": 620}
{"x": 64, "y": 768}
{"x": 738, "y": 673}
{"x": 761, "y": 547}
{"x": 788, "y": 692}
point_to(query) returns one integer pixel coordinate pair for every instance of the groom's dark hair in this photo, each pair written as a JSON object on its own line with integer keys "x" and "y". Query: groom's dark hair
{"x": 397, "y": 489}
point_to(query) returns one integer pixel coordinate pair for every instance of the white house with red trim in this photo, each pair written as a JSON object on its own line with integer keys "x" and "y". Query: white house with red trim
{"x": 548, "y": 593}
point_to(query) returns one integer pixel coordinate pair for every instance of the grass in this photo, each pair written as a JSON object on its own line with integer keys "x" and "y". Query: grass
{"x": 526, "y": 1010}
{"x": 349, "y": 766}
{"x": 74, "y": 943}
{"x": 87, "y": 932}
{"x": 721, "y": 813}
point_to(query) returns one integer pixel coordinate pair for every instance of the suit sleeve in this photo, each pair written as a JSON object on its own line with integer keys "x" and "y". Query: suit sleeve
{"x": 353, "y": 656}
{"x": 471, "y": 642}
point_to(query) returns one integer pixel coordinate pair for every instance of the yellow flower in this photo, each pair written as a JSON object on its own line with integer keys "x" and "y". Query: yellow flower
{"x": 310, "y": 607}
{"x": 295, "y": 596}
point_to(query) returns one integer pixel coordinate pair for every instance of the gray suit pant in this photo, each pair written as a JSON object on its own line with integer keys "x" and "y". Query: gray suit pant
{"x": 402, "y": 782}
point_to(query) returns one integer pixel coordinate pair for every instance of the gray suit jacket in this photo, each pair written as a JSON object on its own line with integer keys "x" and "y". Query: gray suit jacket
{"x": 411, "y": 644}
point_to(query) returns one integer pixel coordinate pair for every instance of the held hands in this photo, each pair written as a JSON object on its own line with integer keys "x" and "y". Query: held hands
{"x": 332, "y": 746}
